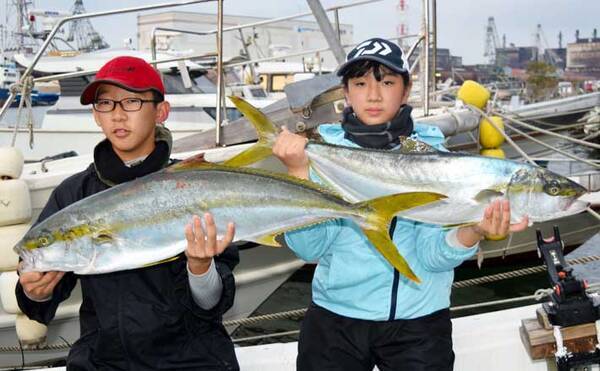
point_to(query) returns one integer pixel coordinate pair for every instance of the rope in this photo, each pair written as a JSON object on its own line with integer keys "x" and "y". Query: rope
{"x": 25, "y": 86}
{"x": 266, "y": 317}
{"x": 547, "y": 132}
{"x": 518, "y": 273}
{"x": 506, "y": 136}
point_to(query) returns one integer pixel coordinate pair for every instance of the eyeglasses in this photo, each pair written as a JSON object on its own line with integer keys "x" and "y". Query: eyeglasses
{"x": 127, "y": 104}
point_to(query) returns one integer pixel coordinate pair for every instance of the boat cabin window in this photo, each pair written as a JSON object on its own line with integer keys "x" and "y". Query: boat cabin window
{"x": 232, "y": 113}
{"x": 275, "y": 82}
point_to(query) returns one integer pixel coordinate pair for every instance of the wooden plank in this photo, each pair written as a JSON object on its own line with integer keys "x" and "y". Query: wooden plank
{"x": 540, "y": 342}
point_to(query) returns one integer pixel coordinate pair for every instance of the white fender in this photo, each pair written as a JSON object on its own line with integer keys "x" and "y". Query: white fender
{"x": 12, "y": 162}
{"x": 9, "y": 236}
{"x": 15, "y": 203}
{"x": 31, "y": 334}
{"x": 8, "y": 282}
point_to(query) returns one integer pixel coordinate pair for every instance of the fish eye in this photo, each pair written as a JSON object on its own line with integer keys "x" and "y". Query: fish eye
{"x": 552, "y": 188}
{"x": 45, "y": 240}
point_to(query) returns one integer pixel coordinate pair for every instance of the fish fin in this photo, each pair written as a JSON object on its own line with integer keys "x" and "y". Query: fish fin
{"x": 190, "y": 163}
{"x": 410, "y": 145}
{"x": 486, "y": 195}
{"x": 382, "y": 210}
{"x": 269, "y": 240}
{"x": 458, "y": 225}
{"x": 384, "y": 244}
{"x": 161, "y": 261}
{"x": 265, "y": 129}
{"x": 259, "y": 151}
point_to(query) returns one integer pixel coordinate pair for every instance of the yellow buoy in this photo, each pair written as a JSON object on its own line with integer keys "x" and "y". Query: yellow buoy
{"x": 489, "y": 137}
{"x": 473, "y": 93}
{"x": 493, "y": 152}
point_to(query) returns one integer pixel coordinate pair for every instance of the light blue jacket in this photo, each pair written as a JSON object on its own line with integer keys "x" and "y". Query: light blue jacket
{"x": 354, "y": 280}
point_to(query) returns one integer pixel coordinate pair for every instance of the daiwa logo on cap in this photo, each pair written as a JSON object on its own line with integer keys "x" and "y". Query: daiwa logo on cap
{"x": 375, "y": 48}
{"x": 379, "y": 50}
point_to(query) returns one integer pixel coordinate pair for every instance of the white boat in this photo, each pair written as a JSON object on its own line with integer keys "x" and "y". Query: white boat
{"x": 192, "y": 105}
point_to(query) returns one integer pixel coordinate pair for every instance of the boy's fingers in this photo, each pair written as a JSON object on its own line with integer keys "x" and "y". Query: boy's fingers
{"x": 30, "y": 277}
{"x": 198, "y": 230}
{"x": 189, "y": 234}
{"x": 227, "y": 239}
{"x": 211, "y": 234}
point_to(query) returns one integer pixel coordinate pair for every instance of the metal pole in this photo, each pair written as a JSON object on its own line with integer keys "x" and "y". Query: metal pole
{"x": 219, "y": 113}
{"x": 60, "y": 23}
{"x": 434, "y": 44}
{"x": 425, "y": 65}
{"x": 327, "y": 30}
{"x": 336, "y": 14}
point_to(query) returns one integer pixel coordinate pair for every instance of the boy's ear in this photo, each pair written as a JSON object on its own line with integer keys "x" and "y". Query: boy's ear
{"x": 407, "y": 90}
{"x": 346, "y": 96}
{"x": 95, "y": 115}
{"x": 162, "y": 111}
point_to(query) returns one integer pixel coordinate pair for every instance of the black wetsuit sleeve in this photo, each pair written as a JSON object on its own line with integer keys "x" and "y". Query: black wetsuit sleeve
{"x": 43, "y": 312}
{"x": 225, "y": 263}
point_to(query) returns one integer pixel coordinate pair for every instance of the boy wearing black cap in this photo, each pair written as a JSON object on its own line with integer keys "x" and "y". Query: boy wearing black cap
{"x": 363, "y": 313}
{"x": 167, "y": 316}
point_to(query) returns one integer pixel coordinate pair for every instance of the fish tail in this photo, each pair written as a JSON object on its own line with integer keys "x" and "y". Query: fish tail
{"x": 266, "y": 130}
{"x": 379, "y": 216}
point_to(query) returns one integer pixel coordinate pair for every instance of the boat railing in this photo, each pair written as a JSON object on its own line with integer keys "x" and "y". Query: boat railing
{"x": 26, "y": 80}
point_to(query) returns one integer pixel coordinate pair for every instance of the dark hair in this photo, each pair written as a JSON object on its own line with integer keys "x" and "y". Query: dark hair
{"x": 361, "y": 68}
{"x": 157, "y": 97}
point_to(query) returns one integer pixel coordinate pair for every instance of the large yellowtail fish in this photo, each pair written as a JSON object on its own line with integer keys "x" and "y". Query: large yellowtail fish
{"x": 470, "y": 182}
{"x": 141, "y": 222}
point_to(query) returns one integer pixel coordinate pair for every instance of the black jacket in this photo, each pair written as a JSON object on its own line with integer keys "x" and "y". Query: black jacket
{"x": 138, "y": 319}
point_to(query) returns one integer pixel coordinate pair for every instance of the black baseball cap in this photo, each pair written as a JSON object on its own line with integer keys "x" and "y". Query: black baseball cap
{"x": 380, "y": 50}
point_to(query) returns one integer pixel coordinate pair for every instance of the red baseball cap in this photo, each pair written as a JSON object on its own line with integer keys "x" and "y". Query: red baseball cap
{"x": 130, "y": 73}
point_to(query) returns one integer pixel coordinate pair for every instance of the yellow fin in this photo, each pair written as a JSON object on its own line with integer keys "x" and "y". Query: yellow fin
{"x": 265, "y": 129}
{"x": 382, "y": 210}
{"x": 161, "y": 261}
{"x": 387, "y": 206}
{"x": 269, "y": 240}
{"x": 257, "y": 152}
{"x": 383, "y": 243}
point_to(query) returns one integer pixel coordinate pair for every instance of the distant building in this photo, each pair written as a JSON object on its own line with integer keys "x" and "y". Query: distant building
{"x": 583, "y": 57}
{"x": 516, "y": 56}
{"x": 444, "y": 62}
{"x": 274, "y": 39}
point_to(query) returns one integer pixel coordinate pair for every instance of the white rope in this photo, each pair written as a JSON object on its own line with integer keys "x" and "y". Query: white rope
{"x": 24, "y": 87}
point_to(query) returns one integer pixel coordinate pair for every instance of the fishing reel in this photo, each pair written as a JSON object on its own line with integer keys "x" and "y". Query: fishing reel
{"x": 569, "y": 303}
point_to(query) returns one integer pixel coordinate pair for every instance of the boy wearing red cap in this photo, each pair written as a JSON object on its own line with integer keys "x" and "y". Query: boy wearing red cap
{"x": 166, "y": 316}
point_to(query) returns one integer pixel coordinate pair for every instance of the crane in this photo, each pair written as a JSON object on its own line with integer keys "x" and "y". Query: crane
{"x": 492, "y": 42}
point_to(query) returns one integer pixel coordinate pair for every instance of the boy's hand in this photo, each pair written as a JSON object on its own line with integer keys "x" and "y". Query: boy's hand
{"x": 495, "y": 222}
{"x": 39, "y": 286}
{"x": 289, "y": 148}
{"x": 203, "y": 245}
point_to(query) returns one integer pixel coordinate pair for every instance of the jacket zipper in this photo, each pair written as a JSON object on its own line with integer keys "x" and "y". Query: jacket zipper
{"x": 396, "y": 281}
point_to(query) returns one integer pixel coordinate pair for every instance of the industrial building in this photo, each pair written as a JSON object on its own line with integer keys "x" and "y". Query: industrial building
{"x": 583, "y": 56}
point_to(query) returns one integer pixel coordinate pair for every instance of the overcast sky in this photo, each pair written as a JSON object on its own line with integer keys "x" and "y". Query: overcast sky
{"x": 461, "y": 23}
